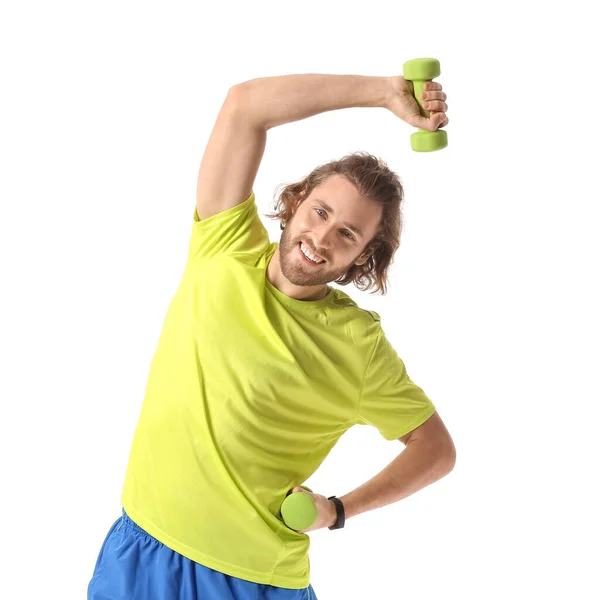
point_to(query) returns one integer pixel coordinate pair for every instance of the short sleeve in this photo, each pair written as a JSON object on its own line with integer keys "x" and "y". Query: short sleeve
{"x": 390, "y": 401}
{"x": 235, "y": 230}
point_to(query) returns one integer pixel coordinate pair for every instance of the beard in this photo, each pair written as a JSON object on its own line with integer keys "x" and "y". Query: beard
{"x": 299, "y": 273}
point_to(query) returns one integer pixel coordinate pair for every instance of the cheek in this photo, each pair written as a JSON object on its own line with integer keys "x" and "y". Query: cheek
{"x": 300, "y": 225}
{"x": 303, "y": 218}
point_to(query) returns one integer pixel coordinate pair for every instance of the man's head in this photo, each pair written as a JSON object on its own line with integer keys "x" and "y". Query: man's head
{"x": 334, "y": 225}
{"x": 346, "y": 215}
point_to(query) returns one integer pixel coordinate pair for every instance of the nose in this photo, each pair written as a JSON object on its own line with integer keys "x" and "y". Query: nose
{"x": 322, "y": 238}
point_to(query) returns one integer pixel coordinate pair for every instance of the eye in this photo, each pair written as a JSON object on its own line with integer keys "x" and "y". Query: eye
{"x": 345, "y": 233}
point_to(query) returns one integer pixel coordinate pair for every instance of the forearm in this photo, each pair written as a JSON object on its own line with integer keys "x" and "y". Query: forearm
{"x": 416, "y": 467}
{"x": 273, "y": 101}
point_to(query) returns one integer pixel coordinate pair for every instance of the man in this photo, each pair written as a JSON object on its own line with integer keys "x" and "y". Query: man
{"x": 261, "y": 366}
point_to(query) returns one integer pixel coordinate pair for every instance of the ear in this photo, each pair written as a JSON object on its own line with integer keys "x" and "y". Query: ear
{"x": 364, "y": 257}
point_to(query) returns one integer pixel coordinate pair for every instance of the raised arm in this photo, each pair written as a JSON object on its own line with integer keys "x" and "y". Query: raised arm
{"x": 237, "y": 143}
{"x": 231, "y": 159}
{"x": 273, "y": 101}
{"x": 238, "y": 139}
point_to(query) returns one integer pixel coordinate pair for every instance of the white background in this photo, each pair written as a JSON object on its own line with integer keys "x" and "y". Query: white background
{"x": 105, "y": 112}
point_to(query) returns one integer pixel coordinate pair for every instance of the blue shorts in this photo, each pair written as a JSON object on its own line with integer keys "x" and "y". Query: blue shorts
{"x": 133, "y": 565}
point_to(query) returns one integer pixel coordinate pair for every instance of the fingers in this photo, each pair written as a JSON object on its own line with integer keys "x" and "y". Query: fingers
{"x": 433, "y": 101}
{"x": 435, "y": 106}
{"x": 431, "y": 123}
{"x": 433, "y": 95}
{"x": 439, "y": 120}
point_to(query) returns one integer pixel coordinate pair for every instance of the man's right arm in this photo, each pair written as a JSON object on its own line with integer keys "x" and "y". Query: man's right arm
{"x": 237, "y": 143}
{"x": 231, "y": 158}
{"x": 274, "y": 101}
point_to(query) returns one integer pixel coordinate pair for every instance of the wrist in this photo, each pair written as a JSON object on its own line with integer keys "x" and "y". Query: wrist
{"x": 332, "y": 513}
{"x": 397, "y": 86}
{"x": 340, "y": 517}
{"x": 390, "y": 91}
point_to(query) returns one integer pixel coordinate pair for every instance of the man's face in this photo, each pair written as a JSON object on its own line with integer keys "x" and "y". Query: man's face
{"x": 334, "y": 224}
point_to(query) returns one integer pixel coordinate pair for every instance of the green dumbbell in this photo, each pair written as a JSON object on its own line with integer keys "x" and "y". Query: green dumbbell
{"x": 299, "y": 511}
{"x": 419, "y": 71}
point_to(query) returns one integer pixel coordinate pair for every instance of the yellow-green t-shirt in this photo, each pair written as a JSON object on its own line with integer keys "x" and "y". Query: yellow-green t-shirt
{"x": 248, "y": 392}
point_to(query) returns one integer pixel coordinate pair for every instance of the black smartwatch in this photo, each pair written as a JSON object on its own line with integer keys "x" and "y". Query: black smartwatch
{"x": 339, "y": 508}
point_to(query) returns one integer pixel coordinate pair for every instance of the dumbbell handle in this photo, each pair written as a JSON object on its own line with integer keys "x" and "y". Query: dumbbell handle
{"x": 418, "y": 87}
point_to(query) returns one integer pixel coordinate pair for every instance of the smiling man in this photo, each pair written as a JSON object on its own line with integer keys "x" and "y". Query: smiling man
{"x": 324, "y": 239}
{"x": 262, "y": 366}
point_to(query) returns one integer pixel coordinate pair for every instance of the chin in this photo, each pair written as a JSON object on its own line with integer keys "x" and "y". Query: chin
{"x": 293, "y": 276}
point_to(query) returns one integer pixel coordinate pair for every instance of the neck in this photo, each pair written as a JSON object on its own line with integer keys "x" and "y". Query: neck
{"x": 285, "y": 286}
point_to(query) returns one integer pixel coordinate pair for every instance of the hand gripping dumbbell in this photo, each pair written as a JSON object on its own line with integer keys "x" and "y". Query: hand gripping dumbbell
{"x": 298, "y": 510}
{"x": 420, "y": 70}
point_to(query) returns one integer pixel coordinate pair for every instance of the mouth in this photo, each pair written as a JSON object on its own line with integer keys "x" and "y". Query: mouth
{"x": 303, "y": 250}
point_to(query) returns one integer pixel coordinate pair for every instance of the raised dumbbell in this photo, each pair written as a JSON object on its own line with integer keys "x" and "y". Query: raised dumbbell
{"x": 420, "y": 70}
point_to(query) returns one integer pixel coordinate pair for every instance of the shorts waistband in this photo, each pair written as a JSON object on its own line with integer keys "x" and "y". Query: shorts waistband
{"x": 126, "y": 520}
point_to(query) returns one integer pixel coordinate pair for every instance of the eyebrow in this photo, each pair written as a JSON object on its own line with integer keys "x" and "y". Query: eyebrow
{"x": 329, "y": 209}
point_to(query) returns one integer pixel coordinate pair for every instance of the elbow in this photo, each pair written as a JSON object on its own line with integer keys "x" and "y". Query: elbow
{"x": 449, "y": 454}
{"x": 443, "y": 453}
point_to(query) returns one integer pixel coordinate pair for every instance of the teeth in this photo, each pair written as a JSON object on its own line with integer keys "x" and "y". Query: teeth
{"x": 308, "y": 254}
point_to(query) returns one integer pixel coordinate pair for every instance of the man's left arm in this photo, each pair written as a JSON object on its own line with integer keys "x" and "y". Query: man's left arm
{"x": 428, "y": 456}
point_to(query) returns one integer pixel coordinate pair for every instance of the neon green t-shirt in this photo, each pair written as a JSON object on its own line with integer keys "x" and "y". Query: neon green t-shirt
{"x": 248, "y": 392}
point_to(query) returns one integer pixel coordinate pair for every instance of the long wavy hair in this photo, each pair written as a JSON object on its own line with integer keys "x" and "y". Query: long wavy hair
{"x": 373, "y": 180}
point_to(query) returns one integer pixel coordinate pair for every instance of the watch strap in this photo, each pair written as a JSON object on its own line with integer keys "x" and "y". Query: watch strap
{"x": 341, "y": 516}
